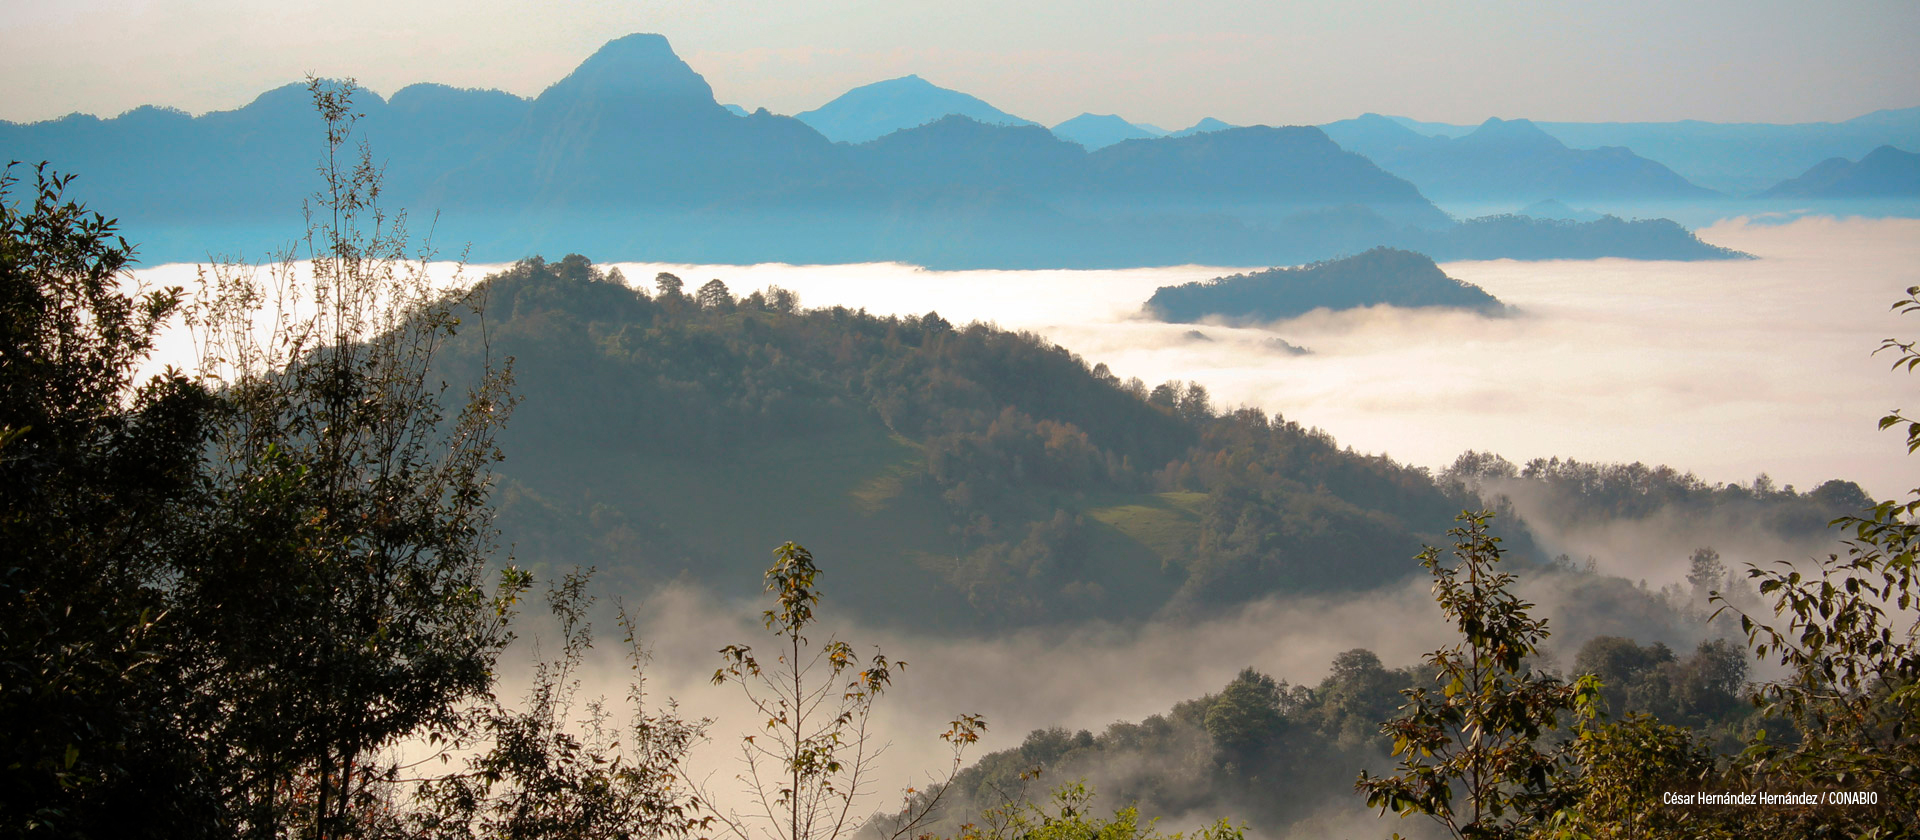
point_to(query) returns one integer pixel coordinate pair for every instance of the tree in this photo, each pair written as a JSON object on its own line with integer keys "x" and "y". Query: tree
{"x": 1482, "y": 730}
{"x": 98, "y": 474}
{"x": 1249, "y": 714}
{"x": 337, "y": 592}
{"x": 1618, "y": 772}
{"x": 668, "y": 284}
{"x": 810, "y": 767}
{"x": 714, "y": 295}
{"x": 1068, "y": 815}
{"x": 540, "y": 776}
{"x": 1849, "y": 636}
{"x": 1704, "y": 572}
{"x": 785, "y": 301}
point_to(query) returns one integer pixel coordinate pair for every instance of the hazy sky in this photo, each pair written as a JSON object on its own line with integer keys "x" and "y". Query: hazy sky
{"x": 1168, "y": 63}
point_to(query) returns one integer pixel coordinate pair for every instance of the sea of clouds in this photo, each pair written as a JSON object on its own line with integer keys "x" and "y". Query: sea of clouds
{"x": 1728, "y": 369}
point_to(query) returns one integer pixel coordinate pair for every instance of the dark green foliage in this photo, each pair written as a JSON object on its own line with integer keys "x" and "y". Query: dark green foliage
{"x": 1231, "y": 752}
{"x": 1578, "y": 492}
{"x": 1068, "y": 815}
{"x": 1704, "y": 691}
{"x": 99, "y": 475}
{"x": 338, "y": 592}
{"x": 1619, "y": 770}
{"x": 1845, "y": 633}
{"x": 1380, "y": 276}
{"x": 1848, "y": 633}
{"x": 227, "y": 601}
{"x": 995, "y": 464}
{"x": 534, "y": 773}
{"x": 1482, "y": 733}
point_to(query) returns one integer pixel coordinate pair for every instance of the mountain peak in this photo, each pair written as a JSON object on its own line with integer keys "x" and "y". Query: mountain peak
{"x": 871, "y": 111}
{"x": 641, "y": 66}
{"x": 1097, "y": 131}
{"x": 1885, "y": 154}
{"x": 1521, "y": 132}
{"x": 1515, "y": 128}
{"x": 1205, "y": 125}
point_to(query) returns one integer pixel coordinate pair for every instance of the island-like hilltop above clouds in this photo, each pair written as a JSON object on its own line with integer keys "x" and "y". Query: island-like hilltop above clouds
{"x": 631, "y": 156}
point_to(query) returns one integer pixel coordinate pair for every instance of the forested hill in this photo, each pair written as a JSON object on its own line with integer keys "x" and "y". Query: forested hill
{"x": 1380, "y": 276}
{"x": 959, "y": 475}
{"x": 950, "y": 473}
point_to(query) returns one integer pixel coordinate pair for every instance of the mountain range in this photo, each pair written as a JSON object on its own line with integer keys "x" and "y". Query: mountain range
{"x": 1096, "y": 131}
{"x": 870, "y": 112}
{"x": 1622, "y": 161}
{"x": 1739, "y": 159}
{"x": 1508, "y": 159}
{"x": 1885, "y": 172}
{"x": 631, "y": 155}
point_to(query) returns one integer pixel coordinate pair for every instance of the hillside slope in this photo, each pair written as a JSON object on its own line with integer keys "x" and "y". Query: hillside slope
{"x": 955, "y": 474}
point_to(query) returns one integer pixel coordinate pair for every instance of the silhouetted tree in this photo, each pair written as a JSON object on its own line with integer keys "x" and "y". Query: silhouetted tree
{"x": 815, "y": 757}
{"x": 99, "y": 481}
{"x": 1483, "y": 729}
{"x": 714, "y": 295}
{"x": 669, "y": 286}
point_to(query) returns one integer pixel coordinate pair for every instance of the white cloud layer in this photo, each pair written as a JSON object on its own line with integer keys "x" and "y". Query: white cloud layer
{"x": 1727, "y": 369}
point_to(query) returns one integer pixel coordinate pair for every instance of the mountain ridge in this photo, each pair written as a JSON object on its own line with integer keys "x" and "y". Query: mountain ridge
{"x": 869, "y": 112}
{"x": 1885, "y": 172}
{"x": 631, "y": 154}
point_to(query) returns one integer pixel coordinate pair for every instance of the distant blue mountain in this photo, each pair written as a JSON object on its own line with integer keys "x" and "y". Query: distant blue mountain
{"x": 1098, "y": 131}
{"x": 870, "y": 112}
{"x": 1434, "y": 129}
{"x": 1506, "y": 160}
{"x": 1554, "y": 209}
{"x": 1734, "y": 158}
{"x": 736, "y": 110}
{"x": 633, "y": 124}
{"x": 1885, "y": 172}
{"x": 1205, "y": 125}
{"x": 630, "y": 157}
{"x": 1743, "y": 158}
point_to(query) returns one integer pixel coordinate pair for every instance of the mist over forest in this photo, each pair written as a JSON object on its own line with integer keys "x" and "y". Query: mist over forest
{"x": 906, "y": 468}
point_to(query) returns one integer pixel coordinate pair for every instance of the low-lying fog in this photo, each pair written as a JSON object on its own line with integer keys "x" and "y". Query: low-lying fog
{"x": 1727, "y": 369}
{"x": 1077, "y": 677}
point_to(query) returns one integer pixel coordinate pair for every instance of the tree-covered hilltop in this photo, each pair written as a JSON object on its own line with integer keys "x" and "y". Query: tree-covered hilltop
{"x": 973, "y": 476}
{"x": 1281, "y": 757}
{"x": 1381, "y": 276}
{"x": 1576, "y": 492}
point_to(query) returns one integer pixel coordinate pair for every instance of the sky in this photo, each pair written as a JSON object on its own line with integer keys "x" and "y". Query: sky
{"x": 1168, "y": 63}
